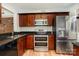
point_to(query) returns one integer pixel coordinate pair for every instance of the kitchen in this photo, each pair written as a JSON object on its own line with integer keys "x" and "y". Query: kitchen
{"x": 29, "y": 30}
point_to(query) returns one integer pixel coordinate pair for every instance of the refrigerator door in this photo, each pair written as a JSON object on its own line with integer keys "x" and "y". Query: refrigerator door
{"x": 62, "y": 44}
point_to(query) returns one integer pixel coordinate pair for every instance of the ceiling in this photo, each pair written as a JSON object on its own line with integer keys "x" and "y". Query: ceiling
{"x": 39, "y": 6}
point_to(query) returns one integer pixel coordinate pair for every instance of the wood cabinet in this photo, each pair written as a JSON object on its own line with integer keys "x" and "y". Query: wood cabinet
{"x": 41, "y": 16}
{"x": 0, "y": 12}
{"x": 21, "y": 46}
{"x": 76, "y": 50}
{"x": 31, "y": 19}
{"x": 51, "y": 18}
{"x": 38, "y": 16}
{"x": 30, "y": 42}
{"x": 51, "y": 42}
{"x": 23, "y": 20}
{"x": 26, "y": 20}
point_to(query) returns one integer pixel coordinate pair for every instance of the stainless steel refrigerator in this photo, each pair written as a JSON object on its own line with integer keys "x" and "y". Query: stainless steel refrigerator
{"x": 63, "y": 44}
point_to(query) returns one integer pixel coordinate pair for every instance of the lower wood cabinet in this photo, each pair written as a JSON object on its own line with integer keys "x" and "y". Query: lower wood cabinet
{"x": 21, "y": 46}
{"x": 30, "y": 42}
{"x": 51, "y": 42}
{"x": 76, "y": 50}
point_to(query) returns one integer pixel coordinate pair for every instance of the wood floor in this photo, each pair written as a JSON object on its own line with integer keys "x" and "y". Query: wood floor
{"x": 45, "y": 53}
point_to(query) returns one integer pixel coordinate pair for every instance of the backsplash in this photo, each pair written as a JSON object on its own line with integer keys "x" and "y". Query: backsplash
{"x": 31, "y": 29}
{"x": 6, "y": 25}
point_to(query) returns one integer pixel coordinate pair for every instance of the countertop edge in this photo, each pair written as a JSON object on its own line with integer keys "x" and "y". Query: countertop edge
{"x": 6, "y": 41}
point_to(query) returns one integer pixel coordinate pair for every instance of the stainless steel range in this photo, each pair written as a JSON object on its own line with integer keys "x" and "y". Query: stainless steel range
{"x": 41, "y": 42}
{"x": 41, "y": 38}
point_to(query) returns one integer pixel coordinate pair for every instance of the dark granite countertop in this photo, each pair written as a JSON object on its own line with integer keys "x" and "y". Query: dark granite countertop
{"x": 17, "y": 35}
{"x": 9, "y": 39}
{"x": 35, "y": 33}
{"x": 76, "y": 43}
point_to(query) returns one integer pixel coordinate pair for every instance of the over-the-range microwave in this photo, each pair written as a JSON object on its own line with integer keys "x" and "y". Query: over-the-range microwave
{"x": 41, "y": 22}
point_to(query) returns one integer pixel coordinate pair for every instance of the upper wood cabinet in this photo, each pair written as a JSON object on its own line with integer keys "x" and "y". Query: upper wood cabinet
{"x": 51, "y": 18}
{"x": 37, "y": 16}
{"x": 41, "y": 16}
{"x": 26, "y": 20}
{"x": 0, "y": 12}
{"x": 31, "y": 19}
{"x": 23, "y": 20}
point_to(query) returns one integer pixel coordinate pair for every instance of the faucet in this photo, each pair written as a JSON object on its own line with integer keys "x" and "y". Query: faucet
{"x": 12, "y": 33}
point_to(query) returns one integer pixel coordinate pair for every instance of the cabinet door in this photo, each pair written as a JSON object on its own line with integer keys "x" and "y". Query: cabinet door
{"x": 0, "y": 12}
{"x": 44, "y": 16}
{"x": 51, "y": 42}
{"x": 20, "y": 46}
{"x": 76, "y": 50}
{"x": 30, "y": 42}
{"x": 31, "y": 19}
{"x": 23, "y": 20}
{"x": 38, "y": 16}
{"x": 51, "y": 18}
{"x": 41, "y": 16}
{"x": 24, "y": 45}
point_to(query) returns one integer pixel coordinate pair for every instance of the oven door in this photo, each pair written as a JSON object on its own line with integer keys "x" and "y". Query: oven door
{"x": 40, "y": 43}
{"x": 40, "y": 37}
{"x": 41, "y": 46}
